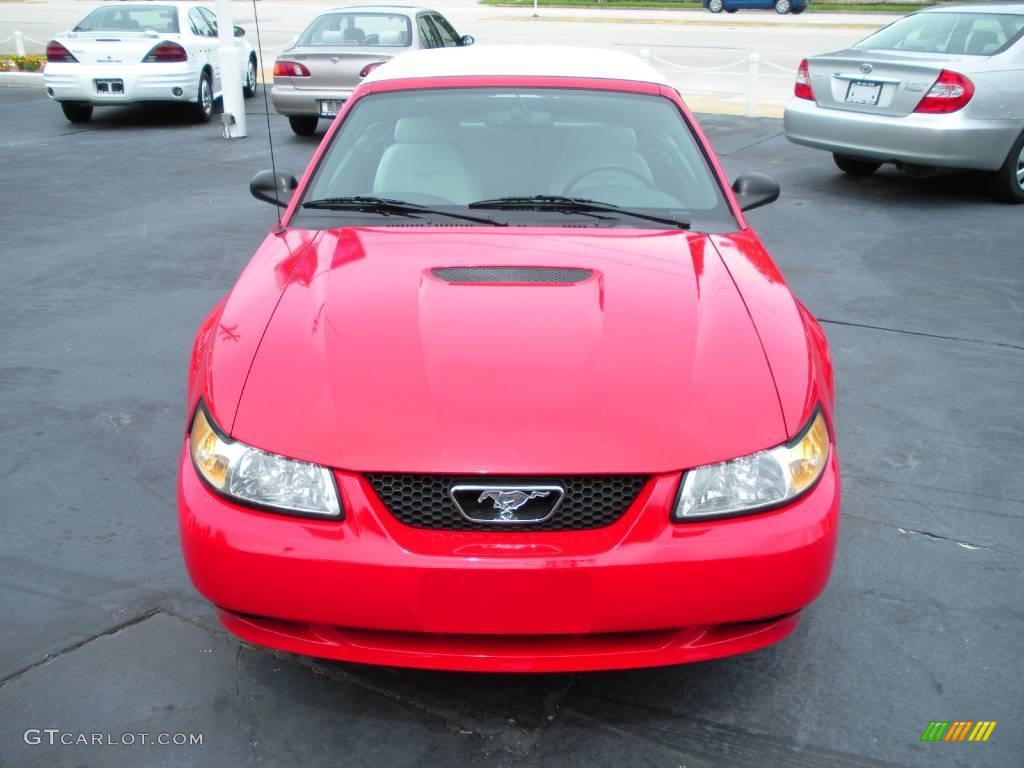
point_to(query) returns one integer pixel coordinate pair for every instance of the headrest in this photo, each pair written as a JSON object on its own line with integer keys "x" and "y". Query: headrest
{"x": 393, "y": 37}
{"x": 983, "y": 41}
{"x": 613, "y": 137}
{"x": 423, "y": 130}
{"x": 331, "y": 37}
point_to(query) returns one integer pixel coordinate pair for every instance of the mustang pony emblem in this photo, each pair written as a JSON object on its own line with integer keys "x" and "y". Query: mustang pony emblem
{"x": 507, "y": 502}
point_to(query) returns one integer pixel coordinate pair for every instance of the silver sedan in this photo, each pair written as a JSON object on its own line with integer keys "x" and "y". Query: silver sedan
{"x": 940, "y": 88}
{"x": 319, "y": 71}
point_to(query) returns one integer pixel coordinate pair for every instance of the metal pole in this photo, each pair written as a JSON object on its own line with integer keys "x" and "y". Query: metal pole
{"x": 230, "y": 73}
{"x": 753, "y": 66}
{"x": 535, "y": 8}
{"x": 19, "y": 43}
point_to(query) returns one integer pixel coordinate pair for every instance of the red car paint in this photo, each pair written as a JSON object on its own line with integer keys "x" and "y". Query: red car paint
{"x": 340, "y": 347}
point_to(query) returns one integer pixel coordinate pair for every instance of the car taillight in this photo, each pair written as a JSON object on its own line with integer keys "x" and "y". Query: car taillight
{"x": 802, "y": 86}
{"x": 57, "y": 52}
{"x": 166, "y": 52}
{"x": 290, "y": 69}
{"x": 369, "y": 68}
{"x": 951, "y": 92}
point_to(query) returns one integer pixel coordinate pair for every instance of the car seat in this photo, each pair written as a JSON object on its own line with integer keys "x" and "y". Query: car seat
{"x": 982, "y": 41}
{"x": 597, "y": 147}
{"x": 354, "y": 35}
{"x": 425, "y": 159}
{"x": 393, "y": 37}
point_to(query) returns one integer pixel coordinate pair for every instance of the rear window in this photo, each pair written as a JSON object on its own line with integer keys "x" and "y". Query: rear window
{"x": 974, "y": 34}
{"x": 359, "y": 29}
{"x": 131, "y": 18}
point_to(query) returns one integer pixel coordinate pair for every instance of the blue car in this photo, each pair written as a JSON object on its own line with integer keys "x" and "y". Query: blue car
{"x": 780, "y": 6}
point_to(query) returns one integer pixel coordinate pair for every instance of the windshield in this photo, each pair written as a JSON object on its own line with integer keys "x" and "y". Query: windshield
{"x": 454, "y": 147}
{"x": 131, "y": 18}
{"x": 353, "y": 29}
{"x": 974, "y": 34}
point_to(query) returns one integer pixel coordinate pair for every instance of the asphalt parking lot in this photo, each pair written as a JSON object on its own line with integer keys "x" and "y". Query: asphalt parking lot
{"x": 116, "y": 238}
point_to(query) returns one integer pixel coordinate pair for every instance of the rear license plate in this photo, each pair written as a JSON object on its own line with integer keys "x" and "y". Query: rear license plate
{"x": 115, "y": 87}
{"x": 330, "y": 107}
{"x": 863, "y": 92}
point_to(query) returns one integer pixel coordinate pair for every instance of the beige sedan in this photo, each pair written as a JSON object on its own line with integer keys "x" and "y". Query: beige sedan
{"x": 316, "y": 75}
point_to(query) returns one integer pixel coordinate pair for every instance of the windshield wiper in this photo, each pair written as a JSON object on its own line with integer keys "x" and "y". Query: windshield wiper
{"x": 388, "y": 207}
{"x": 564, "y": 204}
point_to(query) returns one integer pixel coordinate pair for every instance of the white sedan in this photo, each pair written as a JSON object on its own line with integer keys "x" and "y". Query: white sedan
{"x": 122, "y": 53}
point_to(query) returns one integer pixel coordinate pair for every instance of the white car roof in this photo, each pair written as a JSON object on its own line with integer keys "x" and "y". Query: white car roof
{"x": 518, "y": 60}
{"x": 402, "y": 10}
{"x": 208, "y": 4}
{"x": 979, "y": 7}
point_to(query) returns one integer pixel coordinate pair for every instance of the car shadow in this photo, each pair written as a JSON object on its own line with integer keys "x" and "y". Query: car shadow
{"x": 894, "y": 187}
{"x": 148, "y": 115}
{"x": 513, "y": 711}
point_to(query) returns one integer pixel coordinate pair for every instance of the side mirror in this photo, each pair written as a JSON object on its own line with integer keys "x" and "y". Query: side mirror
{"x": 754, "y": 190}
{"x": 467, "y": 40}
{"x": 276, "y": 190}
{"x": 239, "y": 32}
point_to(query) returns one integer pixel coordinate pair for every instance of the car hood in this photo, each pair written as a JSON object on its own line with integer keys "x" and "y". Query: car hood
{"x": 375, "y": 361}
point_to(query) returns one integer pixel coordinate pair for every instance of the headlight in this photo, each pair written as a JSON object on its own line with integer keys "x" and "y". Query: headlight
{"x": 754, "y": 482}
{"x": 257, "y": 477}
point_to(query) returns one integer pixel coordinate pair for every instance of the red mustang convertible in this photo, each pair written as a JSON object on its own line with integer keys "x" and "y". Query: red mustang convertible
{"x": 512, "y": 387}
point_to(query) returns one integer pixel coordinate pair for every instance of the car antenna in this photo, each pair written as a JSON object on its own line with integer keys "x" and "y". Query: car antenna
{"x": 266, "y": 108}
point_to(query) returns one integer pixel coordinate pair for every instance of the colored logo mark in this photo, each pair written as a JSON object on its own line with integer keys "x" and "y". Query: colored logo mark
{"x": 958, "y": 730}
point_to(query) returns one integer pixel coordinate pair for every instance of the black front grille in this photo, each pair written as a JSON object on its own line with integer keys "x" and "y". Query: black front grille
{"x": 521, "y": 275}
{"x": 423, "y": 501}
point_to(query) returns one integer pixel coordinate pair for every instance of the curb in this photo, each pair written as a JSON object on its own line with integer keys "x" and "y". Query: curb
{"x": 21, "y": 79}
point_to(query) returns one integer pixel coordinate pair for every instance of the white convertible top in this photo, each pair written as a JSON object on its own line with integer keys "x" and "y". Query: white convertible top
{"x": 521, "y": 60}
{"x": 999, "y": 6}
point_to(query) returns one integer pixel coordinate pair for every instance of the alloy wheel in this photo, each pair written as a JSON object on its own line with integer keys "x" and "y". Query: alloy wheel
{"x": 250, "y": 76}
{"x": 1020, "y": 169}
{"x": 206, "y": 95}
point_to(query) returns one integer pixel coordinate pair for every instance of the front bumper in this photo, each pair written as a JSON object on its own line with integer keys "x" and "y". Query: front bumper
{"x": 142, "y": 82}
{"x": 948, "y": 141}
{"x": 289, "y": 100}
{"x": 641, "y": 592}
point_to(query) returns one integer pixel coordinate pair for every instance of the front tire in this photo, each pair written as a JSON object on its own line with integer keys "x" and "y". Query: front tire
{"x": 76, "y": 111}
{"x": 249, "y": 87}
{"x": 303, "y": 125}
{"x": 855, "y": 166}
{"x": 202, "y": 110}
{"x": 782, "y": 6}
{"x": 716, "y": 6}
{"x": 1008, "y": 181}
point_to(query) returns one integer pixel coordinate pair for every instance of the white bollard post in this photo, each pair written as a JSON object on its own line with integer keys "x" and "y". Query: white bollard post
{"x": 230, "y": 73}
{"x": 753, "y": 67}
{"x": 534, "y": 8}
{"x": 19, "y": 43}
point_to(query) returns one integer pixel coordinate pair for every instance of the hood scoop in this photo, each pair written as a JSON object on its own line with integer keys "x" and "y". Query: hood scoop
{"x": 512, "y": 275}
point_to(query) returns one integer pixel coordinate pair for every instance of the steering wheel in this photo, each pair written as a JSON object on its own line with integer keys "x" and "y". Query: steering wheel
{"x": 575, "y": 180}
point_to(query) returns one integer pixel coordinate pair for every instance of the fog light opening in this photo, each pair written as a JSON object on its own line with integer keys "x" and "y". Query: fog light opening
{"x": 177, "y": 91}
